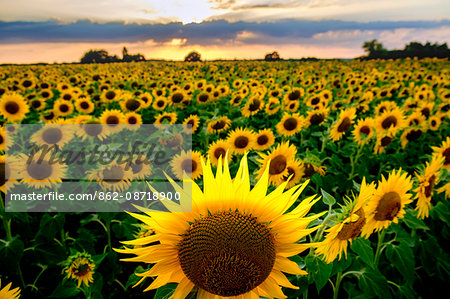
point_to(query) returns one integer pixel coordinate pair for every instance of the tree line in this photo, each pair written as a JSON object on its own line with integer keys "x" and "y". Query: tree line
{"x": 376, "y": 50}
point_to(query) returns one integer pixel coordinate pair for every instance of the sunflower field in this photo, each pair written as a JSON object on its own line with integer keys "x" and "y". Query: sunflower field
{"x": 325, "y": 179}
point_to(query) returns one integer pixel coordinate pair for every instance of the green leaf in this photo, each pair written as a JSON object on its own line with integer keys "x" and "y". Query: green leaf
{"x": 133, "y": 279}
{"x": 98, "y": 258}
{"x": 413, "y": 222}
{"x": 442, "y": 212}
{"x": 318, "y": 270}
{"x": 11, "y": 251}
{"x": 363, "y": 249}
{"x": 166, "y": 291}
{"x": 373, "y": 282}
{"x": 402, "y": 258}
{"x": 327, "y": 198}
{"x": 65, "y": 289}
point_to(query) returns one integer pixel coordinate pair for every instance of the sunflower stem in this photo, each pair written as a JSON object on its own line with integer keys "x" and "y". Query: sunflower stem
{"x": 6, "y": 222}
{"x": 353, "y": 162}
{"x": 338, "y": 283}
{"x": 379, "y": 249}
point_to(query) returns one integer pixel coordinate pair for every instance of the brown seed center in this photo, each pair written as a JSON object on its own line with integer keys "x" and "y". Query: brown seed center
{"x": 52, "y": 135}
{"x": 39, "y": 170}
{"x": 277, "y": 165}
{"x": 241, "y": 142}
{"x": 290, "y": 124}
{"x": 389, "y": 121}
{"x": 227, "y": 254}
{"x": 344, "y": 125}
{"x": 12, "y": 107}
{"x": 388, "y": 207}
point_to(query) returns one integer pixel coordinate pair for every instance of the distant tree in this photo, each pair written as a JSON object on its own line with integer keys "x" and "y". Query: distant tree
{"x": 193, "y": 56}
{"x": 124, "y": 52}
{"x": 274, "y": 56}
{"x": 98, "y": 56}
{"x": 374, "y": 49}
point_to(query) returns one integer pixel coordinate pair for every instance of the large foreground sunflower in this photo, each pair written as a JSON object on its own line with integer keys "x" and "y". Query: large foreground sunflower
{"x": 388, "y": 203}
{"x": 6, "y": 293}
{"x": 235, "y": 242}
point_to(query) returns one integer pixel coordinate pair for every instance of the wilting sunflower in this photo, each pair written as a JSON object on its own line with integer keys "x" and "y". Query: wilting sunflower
{"x": 53, "y": 134}
{"x": 218, "y": 125}
{"x": 388, "y": 202}
{"x": 13, "y": 107}
{"x": 264, "y": 139}
{"x": 391, "y": 121}
{"x": 80, "y": 267}
{"x": 6, "y": 293}
{"x": 39, "y": 173}
{"x": 428, "y": 178}
{"x": 188, "y": 163}
{"x": 444, "y": 151}
{"x": 218, "y": 149}
{"x": 195, "y": 249}
{"x": 363, "y": 131}
{"x": 241, "y": 140}
{"x": 348, "y": 225}
{"x": 62, "y": 108}
{"x": 289, "y": 124}
{"x": 343, "y": 124}
{"x": 279, "y": 158}
{"x": 166, "y": 117}
{"x": 193, "y": 121}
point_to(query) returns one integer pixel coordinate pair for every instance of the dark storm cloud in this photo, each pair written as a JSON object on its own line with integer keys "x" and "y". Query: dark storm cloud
{"x": 205, "y": 33}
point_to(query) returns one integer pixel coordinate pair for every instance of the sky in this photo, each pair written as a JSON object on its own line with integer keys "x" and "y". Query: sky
{"x": 62, "y": 30}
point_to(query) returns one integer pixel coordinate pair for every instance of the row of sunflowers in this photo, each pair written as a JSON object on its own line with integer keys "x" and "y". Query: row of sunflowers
{"x": 309, "y": 179}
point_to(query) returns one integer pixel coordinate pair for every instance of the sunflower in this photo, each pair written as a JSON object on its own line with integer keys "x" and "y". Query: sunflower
{"x": 241, "y": 140}
{"x": 140, "y": 169}
{"x": 109, "y": 96}
{"x": 37, "y": 104}
{"x": 160, "y": 103}
{"x": 294, "y": 94}
{"x": 316, "y": 117}
{"x": 146, "y": 99}
{"x": 391, "y": 121}
{"x": 112, "y": 118}
{"x": 92, "y": 129}
{"x": 178, "y": 97}
{"x": 39, "y": 173}
{"x": 426, "y": 109}
{"x": 131, "y": 104}
{"x": 2, "y": 139}
{"x": 252, "y": 106}
{"x": 264, "y": 139}
{"x": 53, "y": 134}
{"x": 203, "y": 98}
{"x": 291, "y": 106}
{"x": 445, "y": 189}
{"x": 343, "y": 124}
{"x": 62, "y": 108}
{"x": 13, "y": 107}
{"x": 187, "y": 163}
{"x": 46, "y": 94}
{"x": 217, "y": 149}
{"x": 197, "y": 251}
{"x": 114, "y": 176}
{"x": 133, "y": 118}
{"x": 272, "y": 107}
{"x": 384, "y": 106}
{"x": 289, "y": 125}
{"x": 236, "y": 99}
{"x": 279, "y": 158}
{"x": 348, "y": 226}
{"x": 415, "y": 119}
{"x": 388, "y": 202}
{"x": 67, "y": 95}
{"x": 6, "y": 293}
{"x": 434, "y": 122}
{"x": 311, "y": 169}
{"x": 428, "y": 178}
{"x": 383, "y": 140}
{"x": 411, "y": 134}
{"x": 80, "y": 267}
{"x": 295, "y": 172}
{"x": 363, "y": 131}
{"x": 444, "y": 151}
{"x": 192, "y": 123}
{"x": 218, "y": 125}
{"x": 166, "y": 117}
